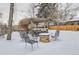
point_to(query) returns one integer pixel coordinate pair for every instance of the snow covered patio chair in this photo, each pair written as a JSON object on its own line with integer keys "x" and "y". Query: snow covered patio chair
{"x": 55, "y": 37}
{"x": 26, "y": 38}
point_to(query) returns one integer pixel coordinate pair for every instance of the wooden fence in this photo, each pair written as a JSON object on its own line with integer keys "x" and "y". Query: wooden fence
{"x": 64, "y": 27}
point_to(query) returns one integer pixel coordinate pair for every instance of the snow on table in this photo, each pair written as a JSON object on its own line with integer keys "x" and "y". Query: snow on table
{"x": 68, "y": 43}
{"x": 44, "y": 34}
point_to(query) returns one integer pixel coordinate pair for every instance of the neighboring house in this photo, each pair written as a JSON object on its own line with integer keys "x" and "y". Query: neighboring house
{"x": 16, "y": 28}
{"x": 41, "y": 24}
{"x": 73, "y": 22}
{"x": 35, "y": 24}
{"x": 66, "y": 25}
{"x": 70, "y": 22}
{"x": 3, "y": 29}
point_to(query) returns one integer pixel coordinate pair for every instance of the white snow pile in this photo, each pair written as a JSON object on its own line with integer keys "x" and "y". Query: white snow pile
{"x": 67, "y": 44}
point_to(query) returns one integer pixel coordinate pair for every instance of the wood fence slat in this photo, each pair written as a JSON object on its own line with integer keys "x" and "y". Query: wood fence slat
{"x": 64, "y": 27}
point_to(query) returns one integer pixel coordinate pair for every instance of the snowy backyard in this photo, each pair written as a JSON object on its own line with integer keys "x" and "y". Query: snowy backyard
{"x": 68, "y": 43}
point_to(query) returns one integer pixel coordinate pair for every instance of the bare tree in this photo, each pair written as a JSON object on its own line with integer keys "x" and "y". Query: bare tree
{"x": 32, "y": 9}
{"x": 10, "y": 21}
{"x": 64, "y": 11}
{"x": 67, "y": 11}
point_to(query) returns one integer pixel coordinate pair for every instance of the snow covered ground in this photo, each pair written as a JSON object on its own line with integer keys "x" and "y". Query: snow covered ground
{"x": 68, "y": 44}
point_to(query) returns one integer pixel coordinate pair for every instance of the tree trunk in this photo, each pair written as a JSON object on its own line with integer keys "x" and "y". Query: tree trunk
{"x": 10, "y": 21}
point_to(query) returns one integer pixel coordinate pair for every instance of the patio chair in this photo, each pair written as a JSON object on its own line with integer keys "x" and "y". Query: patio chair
{"x": 55, "y": 37}
{"x": 26, "y": 38}
{"x": 22, "y": 36}
{"x": 35, "y": 35}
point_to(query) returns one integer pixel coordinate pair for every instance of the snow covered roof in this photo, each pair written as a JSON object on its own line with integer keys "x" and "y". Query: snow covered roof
{"x": 73, "y": 20}
{"x": 37, "y": 20}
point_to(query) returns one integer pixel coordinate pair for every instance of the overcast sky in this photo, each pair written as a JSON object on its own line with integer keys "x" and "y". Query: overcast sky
{"x": 21, "y": 11}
